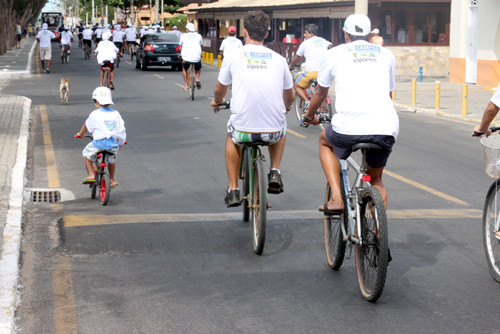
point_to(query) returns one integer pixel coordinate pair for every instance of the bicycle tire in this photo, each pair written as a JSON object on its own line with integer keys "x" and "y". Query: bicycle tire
{"x": 87, "y": 53}
{"x": 491, "y": 243}
{"x": 105, "y": 188}
{"x": 335, "y": 245}
{"x": 107, "y": 79}
{"x": 131, "y": 50}
{"x": 259, "y": 207}
{"x": 373, "y": 255}
{"x": 192, "y": 81}
{"x": 118, "y": 61}
{"x": 93, "y": 190}
{"x": 245, "y": 176}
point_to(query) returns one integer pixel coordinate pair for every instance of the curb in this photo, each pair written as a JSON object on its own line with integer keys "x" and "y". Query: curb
{"x": 435, "y": 112}
{"x": 23, "y": 74}
{"x": 9, "y": 263}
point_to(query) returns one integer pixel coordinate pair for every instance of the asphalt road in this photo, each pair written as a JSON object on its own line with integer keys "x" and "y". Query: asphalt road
{"x": 167, "y": 256}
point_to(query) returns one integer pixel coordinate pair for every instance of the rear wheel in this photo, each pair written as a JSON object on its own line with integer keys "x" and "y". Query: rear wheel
{"x": 105, "y": 189}
{"x": 491, "y": 217}
{"x": 372, "y": 255}
{"x": 93, "y": 190}
{"x": 117, "y": 61}
{"x": 259, "y": 207}
{"x": 334, "y": 240}
{"x": 192, "y": 83}
{"x": 245, "y": 175}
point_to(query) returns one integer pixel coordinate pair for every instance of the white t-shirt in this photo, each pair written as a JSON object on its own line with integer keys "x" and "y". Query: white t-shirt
{"x": 191, "y": 47}
{"x": 364, "y": 76}
{"x": 106, "y": 50}
{"x": 66, "y": 37}
{"x": 106, "y": 123}
{"x": 229, "y": 45}
{"x": 259, "y": 76}
{"x": 98, "y": 32}
{"x": 177, "y": 32}
{"x": 118, "y": 36}
{"x": 131, "y": 34}
{"x": 496, "y": 97}
{"x": 314, "y": 49}
{"x": 45, "y": 36}
{"x": 87, "y": 33}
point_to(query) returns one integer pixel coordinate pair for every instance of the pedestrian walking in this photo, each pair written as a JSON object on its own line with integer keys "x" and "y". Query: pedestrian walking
{"x": 19, "y": 32}
{"x": 44, "y": 37}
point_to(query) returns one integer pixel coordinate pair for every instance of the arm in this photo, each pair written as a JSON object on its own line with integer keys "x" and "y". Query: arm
{"x": 219, "y": 93}
{"x": 294, "y": 61}
{"x": 288, "y": 98}
{"x": 488, "y": 116}
{"x": 82, "y": 131}
{"x": 320, "y": 95}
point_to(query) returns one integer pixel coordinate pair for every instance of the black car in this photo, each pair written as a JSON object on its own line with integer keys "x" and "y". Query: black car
{"x": 159, "y": 49}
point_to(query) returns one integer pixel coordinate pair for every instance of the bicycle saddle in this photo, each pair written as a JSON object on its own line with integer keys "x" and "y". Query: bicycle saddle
{"x": 256, "y": 143}
{"x": 365, "y": 146}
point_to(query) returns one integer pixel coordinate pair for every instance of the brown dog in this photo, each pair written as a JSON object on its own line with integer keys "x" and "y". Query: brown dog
{"x": 64, "y": 90}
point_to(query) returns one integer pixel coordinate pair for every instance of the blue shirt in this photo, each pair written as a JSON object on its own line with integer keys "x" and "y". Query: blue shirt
{"x": 106, "y": 143}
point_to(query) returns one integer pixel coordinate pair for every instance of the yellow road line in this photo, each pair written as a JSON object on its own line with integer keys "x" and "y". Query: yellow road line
{"x": 64, "y": 303}
{"x": 158, "y": 76}
{"x": 50, "y": 156}
{"x": 98, "y": 220}
{"x": 295, "y": 133}
{"x": 425, "y": 188}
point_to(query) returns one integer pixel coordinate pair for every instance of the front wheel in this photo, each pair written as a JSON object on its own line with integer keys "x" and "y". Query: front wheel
{"x": 259, "y": 207}
{"x": 372, "y": 255}
{"x": 105, "y": 189}
{"x": 491, "y": 221}
{"x": 334, "y": 239}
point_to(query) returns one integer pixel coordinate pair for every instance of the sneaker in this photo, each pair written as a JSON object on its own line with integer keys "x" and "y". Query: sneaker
{"x": 275, "y": 185}
{"x": 232, "y": 198}
{"x": 69, "y": 52}
{"x": 62, "y": 56}
{"x": 48, "y": 71}
{"x": 198, "y": 84}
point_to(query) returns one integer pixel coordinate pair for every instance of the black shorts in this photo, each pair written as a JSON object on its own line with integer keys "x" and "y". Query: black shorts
{"x": 97, "y": 40}
{"x": 18, "y": 37}
{"x": 87, "y": 42}
{"x": 118, "y": 44}
{"x": 342, "y": 146}
{"x": 132, "y": 42}
{"x": 197, "y": 66}
{"x": 111, "y": 66}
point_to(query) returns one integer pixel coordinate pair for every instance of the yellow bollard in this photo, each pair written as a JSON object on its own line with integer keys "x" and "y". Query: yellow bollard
{"x": 393, "y": 95}
{"x": 219, "y": 61}
{"x": 211, "y": 58}
{"x": 464, "y": 99}
{"x": 413, "y": 92}
{"x": 203, "y": 56}
{"x": 437, "y": 99}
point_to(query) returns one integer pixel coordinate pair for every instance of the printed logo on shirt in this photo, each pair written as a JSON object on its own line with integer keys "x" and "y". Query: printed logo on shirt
{"x": 258, "y": 60}
{"x": 365, "y": 53}
{"x": 110, "y": 125}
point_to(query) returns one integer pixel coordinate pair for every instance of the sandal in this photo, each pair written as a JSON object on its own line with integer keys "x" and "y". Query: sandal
{"x": 88, "y": 180}
{"x": 330, "y": 212}
{"x": 114, "y": 185}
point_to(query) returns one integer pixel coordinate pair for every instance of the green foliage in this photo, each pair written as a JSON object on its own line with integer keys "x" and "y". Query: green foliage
{"x": 179, "y": 20}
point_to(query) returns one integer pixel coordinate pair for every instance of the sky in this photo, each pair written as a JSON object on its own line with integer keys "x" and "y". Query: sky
{"x": 51, "y": 7}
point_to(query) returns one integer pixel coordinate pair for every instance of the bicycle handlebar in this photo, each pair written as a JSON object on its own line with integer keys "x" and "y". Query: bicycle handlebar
{"x": 493, "y": 129}
{"x": 89, "y": 136}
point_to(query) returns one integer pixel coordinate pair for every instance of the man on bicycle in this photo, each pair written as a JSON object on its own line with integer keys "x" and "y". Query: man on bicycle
{"x": 66, "y": 39}
{"x": 313, "y": 49}
{"x": 191, "y": 53}
{"x": 364, "y": 77}
{"x": 87, "y": 34}
{"x": 258, "y": 110}
{"x": 131, "y": 37}
{"x": 490, "y": 112}
{"x": 106, "y": 51}
{"x": 80, "y": 29}
{"x": 118, "y": 37}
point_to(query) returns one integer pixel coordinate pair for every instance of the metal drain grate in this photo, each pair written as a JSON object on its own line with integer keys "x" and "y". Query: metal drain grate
{"x": 46, "y": 196}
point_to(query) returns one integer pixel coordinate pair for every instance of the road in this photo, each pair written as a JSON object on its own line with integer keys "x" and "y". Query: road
{"x": 167, "y": 256}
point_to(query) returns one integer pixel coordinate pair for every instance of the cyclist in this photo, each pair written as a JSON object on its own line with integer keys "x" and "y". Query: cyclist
{"x": 313, "y": 49}
{"x": 191, "y": 53}
{"x": 108, "y": 131}
{"x": 176, "y": 32}
{"x": 230, "y": 44}
{"x": 87, "y": 34}
{"x": 66, "y": 39}
{"x": 80, "y": 34}
{"x": 98, "y": 34}
{"x": 489, "y": 114}
{"x": 258, "y": 110}
{"x": 131, "y": 37}
{"x": 364, "y": 77}
{"x": 106, "y": 51}
{"x": 376, "y": 38}
{"x": 118, "y": 37}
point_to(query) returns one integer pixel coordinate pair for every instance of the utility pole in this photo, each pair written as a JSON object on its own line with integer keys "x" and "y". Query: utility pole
{"x": 161, "y": 17}
{"x": 156, "y": 11}
{"x": 361, "y": 7}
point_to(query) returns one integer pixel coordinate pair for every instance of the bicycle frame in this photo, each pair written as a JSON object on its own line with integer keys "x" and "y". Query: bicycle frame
{"x": 253, "y": 153}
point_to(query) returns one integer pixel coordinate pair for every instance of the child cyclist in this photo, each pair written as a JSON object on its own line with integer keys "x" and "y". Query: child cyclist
{"x": 108, "y": 131}
{"x": 106, "y": 51}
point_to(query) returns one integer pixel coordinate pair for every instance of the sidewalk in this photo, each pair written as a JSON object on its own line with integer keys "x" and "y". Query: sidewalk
{"x": 15, "y": 114}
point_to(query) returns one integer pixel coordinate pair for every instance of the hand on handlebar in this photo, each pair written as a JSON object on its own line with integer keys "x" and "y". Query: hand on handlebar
{"x": 307, "y": 121}
{"x": 217, "y": 105}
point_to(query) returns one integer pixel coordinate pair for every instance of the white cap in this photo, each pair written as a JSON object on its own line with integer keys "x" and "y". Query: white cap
{"x": 175, "y": 27}
{"x": 102, "y": 95}
{"x": 45, "y": 26}
{"x": 375, "y": 31}
{"x": 117, "y": 27}
{"x": 106, "y": 36}
{"x": 190, "y": 27}
{"x": 357, "y": 25}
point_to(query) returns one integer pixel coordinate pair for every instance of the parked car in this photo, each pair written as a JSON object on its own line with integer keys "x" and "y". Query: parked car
{"x": 159, "y": 49}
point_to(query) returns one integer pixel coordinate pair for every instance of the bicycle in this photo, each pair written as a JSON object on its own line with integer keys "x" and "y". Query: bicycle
{"x": 101, "y": 174}
{"x": 491, "y": 209}
{"x": 191, "y": 80}
{"x": 65, "y": 55}
{"x": 107, "y": 74}
{"x": 325, "y": 110}
{"x": 131, "y": 50}
{"x": 255, "y": 199}
{"x": 363, "y": 223}
{"x": 86, "y": 51}
{"x": 117, "y": 60}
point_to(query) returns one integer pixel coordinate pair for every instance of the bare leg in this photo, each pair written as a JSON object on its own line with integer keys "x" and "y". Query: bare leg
{"x": 233, "y": 153}
{"x": 88, "y": 166}
{"x": 376, "y": 181}
{"x": 301, "y": 92}
{"x": 331, "y": 167}
{"x": 111, "y": 169}
{"x": 185, "y": 76}
{"x": 276, "y": 153}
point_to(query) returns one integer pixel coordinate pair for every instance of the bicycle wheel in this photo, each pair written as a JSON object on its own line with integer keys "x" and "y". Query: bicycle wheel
{"x": 105, "y": 188}
{"x": 86, "y": 52}
{"x": 259, "y": 207}
{"x": 245, "y": 176}
{"x": 192, "y": 83}
{"x": 372, "y": 255}
{"x": 131, "y": 50}
{"x": 117, "y": 61}
{"x": 299, "y": 105}
{"x": 491, "y": 219}
{"x": 334, "y": 239}
{"x": 93, "y": 190}
{"x": 107, "y": 79}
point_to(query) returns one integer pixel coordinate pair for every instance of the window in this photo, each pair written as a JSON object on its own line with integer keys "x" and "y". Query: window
{"x": 385, "y": 25}
{"x": 402, "y": 26}
{"x": 421, "y": 27}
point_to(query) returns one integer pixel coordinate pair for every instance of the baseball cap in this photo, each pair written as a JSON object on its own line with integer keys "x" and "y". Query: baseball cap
{"x": 375, "y": 31}
{"x": 102, "y": 95}
{"x": 357, "y": 25}
{"x": 45, "y": 26}
{"x": 175, "y": 27}
{"x": 106, "y": 35}
{"x": 232, "y": 30}
{"x": 190, "y": 27}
